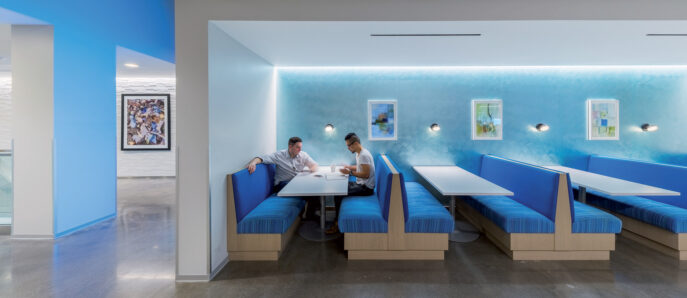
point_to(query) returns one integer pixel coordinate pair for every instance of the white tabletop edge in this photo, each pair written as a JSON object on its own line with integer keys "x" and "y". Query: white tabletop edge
{"x": 505, "y": 192}
{"x": 660, "y": 191}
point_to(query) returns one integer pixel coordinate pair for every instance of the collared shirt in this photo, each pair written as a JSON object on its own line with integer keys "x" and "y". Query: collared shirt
{"x": 287, "y": 167}
{"x": 365, "y": 158}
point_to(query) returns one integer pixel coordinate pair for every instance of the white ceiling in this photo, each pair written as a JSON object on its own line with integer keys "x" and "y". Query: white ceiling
{"x": 502, "y": 43}
{"x": 149, "y": 67}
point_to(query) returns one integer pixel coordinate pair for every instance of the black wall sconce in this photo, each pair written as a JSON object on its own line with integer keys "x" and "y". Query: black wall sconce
{"x": 649, "y": 127}
{"x": 329, "y": 127}
{"x": 542, "y": 127}
{"x": 434, "y": 127}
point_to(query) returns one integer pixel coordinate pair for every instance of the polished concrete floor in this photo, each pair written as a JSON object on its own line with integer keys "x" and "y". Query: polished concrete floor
{"x": 133, "y": 256}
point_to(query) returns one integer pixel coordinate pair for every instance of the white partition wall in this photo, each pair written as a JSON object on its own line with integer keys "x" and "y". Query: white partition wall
{"x": 242, "y": 122}
{"x": 32, "y": 106}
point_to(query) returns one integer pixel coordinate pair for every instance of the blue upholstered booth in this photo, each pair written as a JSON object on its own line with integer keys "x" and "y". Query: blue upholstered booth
{"x": 532, "y": 208}
{"x": 665, "y": 212}
{"x": 258, "y": 210}
{"x": 369, "y": 214}
{"x": 421, "y": 211}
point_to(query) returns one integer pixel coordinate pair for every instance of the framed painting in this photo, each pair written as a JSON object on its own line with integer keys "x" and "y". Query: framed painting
{"x": 603, "y": 119}
{"x": 487, "y": 119}
{"x": 382, "y": 120}
{"x": 145, "y": 122}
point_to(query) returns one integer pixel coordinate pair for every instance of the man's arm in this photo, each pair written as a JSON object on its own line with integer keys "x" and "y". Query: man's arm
{"x": 252, "y": 164}
{"x": 363, "y": 173}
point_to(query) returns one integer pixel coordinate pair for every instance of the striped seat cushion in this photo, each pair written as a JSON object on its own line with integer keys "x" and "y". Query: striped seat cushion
{"x": 425, "y": 213}
{"x": 591, "y": 220}
{"x": 655, "y": 213}
{"x": 510, "y": 215}
{"x": 273, "y": 216}
{"x": 362, "y": 215}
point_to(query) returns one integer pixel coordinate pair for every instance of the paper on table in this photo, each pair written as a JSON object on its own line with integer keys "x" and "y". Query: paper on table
{"x": 336, "y": 176}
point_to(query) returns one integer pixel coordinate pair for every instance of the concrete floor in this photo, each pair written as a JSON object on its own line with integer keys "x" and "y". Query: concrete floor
{"x": 133, "y": 256}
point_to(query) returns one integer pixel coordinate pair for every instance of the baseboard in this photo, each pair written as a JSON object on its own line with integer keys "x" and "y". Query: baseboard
{"x": 83, "y": 226}
{"x": 192, "y": 278}
{"x": 219, "y": 267}
{"x": 36, "y": 237}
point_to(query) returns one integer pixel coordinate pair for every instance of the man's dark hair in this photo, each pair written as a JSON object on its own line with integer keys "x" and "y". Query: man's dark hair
{"x": 352, "y": 138}
{"x": 294, "y": 140}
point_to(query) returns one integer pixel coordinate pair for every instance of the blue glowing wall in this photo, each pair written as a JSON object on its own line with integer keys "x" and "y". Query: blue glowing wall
{"x": 86, "y": 34}
{"x": 308, "y": 99}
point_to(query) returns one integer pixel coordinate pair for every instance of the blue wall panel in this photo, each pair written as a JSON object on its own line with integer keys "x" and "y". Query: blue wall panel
{"x": 309, "y": 98}
{"x": 86, "y": 35}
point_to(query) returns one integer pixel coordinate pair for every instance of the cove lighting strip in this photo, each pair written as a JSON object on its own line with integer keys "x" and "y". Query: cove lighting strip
{"x": 524, "y": 67}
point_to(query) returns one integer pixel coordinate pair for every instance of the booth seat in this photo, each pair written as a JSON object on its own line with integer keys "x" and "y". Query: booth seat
{"x": 657, "y": 221}
{"x": 541, "y": 221}
{"x": 259, "y": 224}
{"x": 400, "y": 221}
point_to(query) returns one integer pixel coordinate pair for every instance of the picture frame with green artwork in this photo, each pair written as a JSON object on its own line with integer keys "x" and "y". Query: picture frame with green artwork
{"x": 487, "y": 119}
{"x": 603, "y": 119}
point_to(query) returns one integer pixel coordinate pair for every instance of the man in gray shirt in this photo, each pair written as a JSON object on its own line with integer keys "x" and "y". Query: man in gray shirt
{"x": 289, "y": 163}
{"x": 363, "y": 171}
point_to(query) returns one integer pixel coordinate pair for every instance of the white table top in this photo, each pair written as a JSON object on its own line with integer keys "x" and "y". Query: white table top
{"x": 455, "y": 181}
{"x": 316, "y": 184}
{"x": 612, "y": 186}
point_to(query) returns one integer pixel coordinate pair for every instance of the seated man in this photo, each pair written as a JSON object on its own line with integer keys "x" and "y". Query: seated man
{"x": 288, "y": 163}
{"x": 364, "y": 171}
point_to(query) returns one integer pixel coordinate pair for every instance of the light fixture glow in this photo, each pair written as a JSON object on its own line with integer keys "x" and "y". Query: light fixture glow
{"x": 131, "y": 65}
{"x": 329, "y": 127}
{"x": 542, "y": 127}
{"x": 649, "y": 127}
{"x": 434, "y": 127}
{"x": 488, "y": 67}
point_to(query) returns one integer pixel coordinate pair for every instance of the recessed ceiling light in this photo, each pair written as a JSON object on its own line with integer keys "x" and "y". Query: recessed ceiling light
{"x": 131, "y": 65}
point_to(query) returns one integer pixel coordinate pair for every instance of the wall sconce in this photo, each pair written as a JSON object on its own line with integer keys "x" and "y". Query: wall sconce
{"x": 434, "y": 127}
{"x": 649, "y": 127}
{"x": 542, "y": 127}
{"x": 329, "y": 127}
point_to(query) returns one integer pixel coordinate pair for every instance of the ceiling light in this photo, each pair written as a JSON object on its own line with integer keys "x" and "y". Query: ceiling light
{"x": 131, "y": 65}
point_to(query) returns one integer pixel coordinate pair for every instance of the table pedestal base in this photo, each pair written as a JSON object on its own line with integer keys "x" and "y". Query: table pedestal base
{"x": 462, "y": 237}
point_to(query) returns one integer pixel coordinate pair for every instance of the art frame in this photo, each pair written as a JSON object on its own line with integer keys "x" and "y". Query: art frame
{"x": 382, "y": 120}
{"x": 145, "y": 122}
{"x": 603, "y": 119}
{"x": 489, "y": 126}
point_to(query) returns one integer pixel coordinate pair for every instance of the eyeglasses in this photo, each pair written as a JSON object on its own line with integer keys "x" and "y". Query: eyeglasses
{"x": 349, "y": 145}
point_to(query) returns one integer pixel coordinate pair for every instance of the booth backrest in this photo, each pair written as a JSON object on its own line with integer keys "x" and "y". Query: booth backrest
{"x": 404, "y": 194}
{"x": 532, "y": 186}
{"x": 251, "y": 189}
{"x": 665, "y": 176}
{"x": 384, "y": 179}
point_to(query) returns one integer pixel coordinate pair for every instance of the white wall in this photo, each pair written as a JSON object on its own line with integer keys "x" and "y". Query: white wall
{"x": 146, "y": 163}
{"x": 242, "y": 120}
{"x": 32, "y": 107}
{"x": 191, "y": 31}
{"x": 5, "y": 110}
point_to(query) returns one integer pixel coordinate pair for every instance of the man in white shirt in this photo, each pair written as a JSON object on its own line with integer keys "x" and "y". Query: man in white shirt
{"x": 289, "y": 163}
{"x": 364, "y": 171}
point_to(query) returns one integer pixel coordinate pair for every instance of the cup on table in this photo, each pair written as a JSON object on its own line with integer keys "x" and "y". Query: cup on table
{"x": 333, "y": 167}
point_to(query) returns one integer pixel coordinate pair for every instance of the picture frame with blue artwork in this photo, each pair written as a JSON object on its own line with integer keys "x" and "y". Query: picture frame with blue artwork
{"x": 603, "y": 119}
{"x": 382, "y": 120}
{"x": 145, "y": 122}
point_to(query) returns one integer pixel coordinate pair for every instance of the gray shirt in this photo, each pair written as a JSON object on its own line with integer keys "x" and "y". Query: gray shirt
{"x": 365, "y": 158}
{"x": 287, "y": 167}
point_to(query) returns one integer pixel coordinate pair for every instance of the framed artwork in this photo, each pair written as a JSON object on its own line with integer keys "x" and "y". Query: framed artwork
{"x": 145, "y": 122}
{"x": 487, "y": 119}
{"x": 603, "y": 119}
{"x": 382, "y": 120}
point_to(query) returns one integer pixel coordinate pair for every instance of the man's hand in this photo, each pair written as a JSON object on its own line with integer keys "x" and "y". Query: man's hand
{"x": 252, "y": 163}
{"x": 345, "y": 170}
